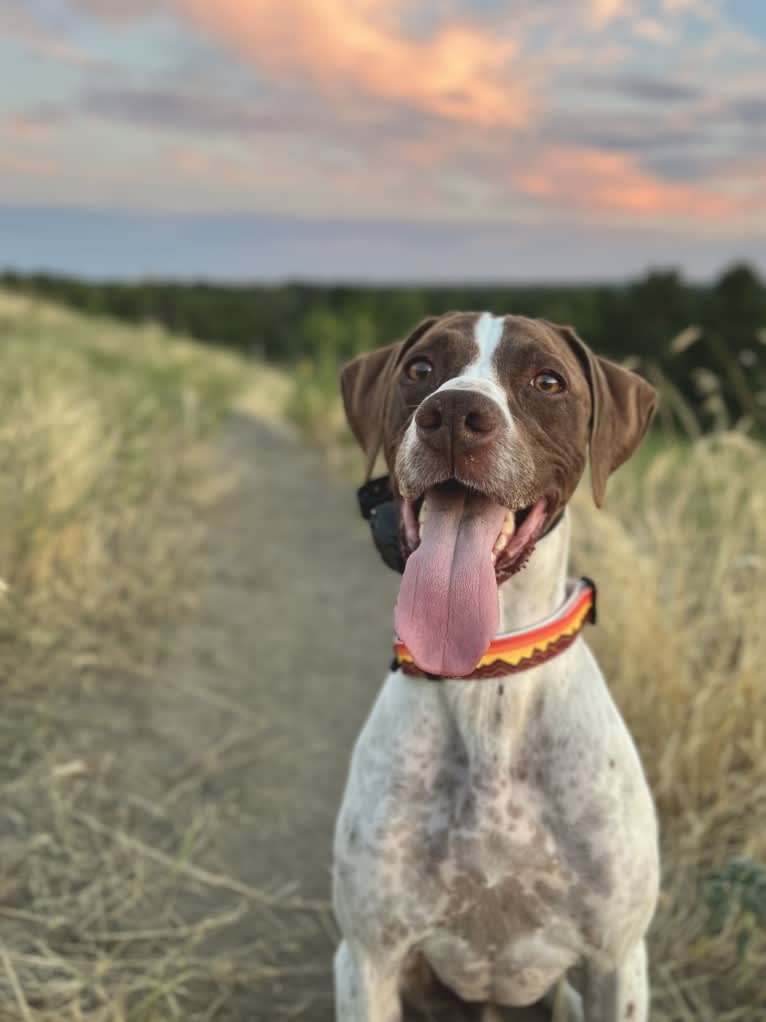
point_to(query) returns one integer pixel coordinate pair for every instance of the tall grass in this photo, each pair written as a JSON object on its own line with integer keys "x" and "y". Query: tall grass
{"x": 105, "y": 470}
{"x": 100, "y": 426}
{"x": 680, "y": 557}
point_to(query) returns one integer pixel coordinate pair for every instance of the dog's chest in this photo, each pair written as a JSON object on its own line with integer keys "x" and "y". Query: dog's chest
{"x": 459, "y": 861}
{"x": 483, "y": 838}
{"x": 501, "y": 855}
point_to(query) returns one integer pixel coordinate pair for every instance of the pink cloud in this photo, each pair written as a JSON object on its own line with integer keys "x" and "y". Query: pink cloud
{"x": 602, "y": 181}
{"x": 18, "y": 27}
{"x": 460, "y": 72}
{"x": 355, "y": 108}
{"x": 601, "y": 12}
{"x": 27, "y": 129}
{"x": 26, "y": 166}
{"x": 196, "y": 164}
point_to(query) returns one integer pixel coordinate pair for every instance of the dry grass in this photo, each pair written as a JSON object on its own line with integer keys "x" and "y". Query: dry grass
{"x": 104, "y": 470}
{"x": 99, "y": 431}
{"x": 680, "y": 557}
{"x": 102, "y": 925}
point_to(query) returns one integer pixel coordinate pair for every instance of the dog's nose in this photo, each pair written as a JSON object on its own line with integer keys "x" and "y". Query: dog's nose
{"x": 455, "y": 423}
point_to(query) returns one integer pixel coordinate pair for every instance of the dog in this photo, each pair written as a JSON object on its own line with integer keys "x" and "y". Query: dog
{"x": 497, "y": 842}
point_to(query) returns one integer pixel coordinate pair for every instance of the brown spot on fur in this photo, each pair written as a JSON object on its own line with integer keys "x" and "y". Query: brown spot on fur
{"x": 493, "y": 915}
{"x": 394, "y": 931}
{"x": 548, "y": 894}
{"x": 630, "y": 1010}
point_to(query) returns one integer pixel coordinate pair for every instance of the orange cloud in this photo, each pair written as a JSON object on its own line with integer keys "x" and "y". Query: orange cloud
{"x": 27, "y": 129}
{"x": 603, "y": 11}
{"x": 460, "y": 72}
{"x": 26, "y": 166}
{"x": 613, "y": 182}
{"x": 195, "y": 164}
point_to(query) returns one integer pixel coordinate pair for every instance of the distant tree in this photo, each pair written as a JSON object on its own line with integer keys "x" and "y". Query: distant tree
{"x": 735, "y": 343}
{"x": 737, "y": 305}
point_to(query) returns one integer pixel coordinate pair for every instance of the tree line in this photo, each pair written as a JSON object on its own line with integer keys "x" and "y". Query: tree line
{"x": 718, "y": 367}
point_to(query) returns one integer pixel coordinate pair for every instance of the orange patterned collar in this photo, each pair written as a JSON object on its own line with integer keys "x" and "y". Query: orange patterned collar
{"x": 523, "y": 648}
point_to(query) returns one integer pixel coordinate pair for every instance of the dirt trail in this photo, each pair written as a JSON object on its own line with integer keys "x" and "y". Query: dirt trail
{"x": 278, "y": 664}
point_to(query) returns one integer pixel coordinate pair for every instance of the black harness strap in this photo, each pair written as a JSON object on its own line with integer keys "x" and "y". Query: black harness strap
{"x": 376, "y": 503}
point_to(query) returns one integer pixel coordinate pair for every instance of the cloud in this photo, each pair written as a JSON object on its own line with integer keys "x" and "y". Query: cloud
{"x": 118, "y": 12}
{"x": 195, "y": 111}
{"x": 17, "y": 26}
{"x": 604, "y": 182}
{"x": 603, "y": 11}
{"x": 643, "y": 87}
{"x": 36, "y": 128}
{"x": 459, "y": 72}
{"x": 26, "y": 166}
{"x": 200, "y": 165}
{"x": 455, "y": 110}
{"x": 653, "y": 31}
{"x": 750, "y": 109}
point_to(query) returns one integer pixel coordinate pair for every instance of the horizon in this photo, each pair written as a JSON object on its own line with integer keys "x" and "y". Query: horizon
{"x": 253, "y": 249}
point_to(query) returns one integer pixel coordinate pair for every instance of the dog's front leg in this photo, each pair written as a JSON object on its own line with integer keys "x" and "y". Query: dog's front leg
{"x": 620, "y": 995}
{"x": 365, "y": 991}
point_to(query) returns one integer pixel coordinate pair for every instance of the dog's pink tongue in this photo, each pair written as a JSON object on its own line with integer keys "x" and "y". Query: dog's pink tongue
{"x": 447, "y": 611}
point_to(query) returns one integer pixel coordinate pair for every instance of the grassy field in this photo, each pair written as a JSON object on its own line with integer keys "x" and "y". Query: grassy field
{"x": 105, "y": 475}
{"x": 678, "y": 553}
{"x": 100, "y": 435}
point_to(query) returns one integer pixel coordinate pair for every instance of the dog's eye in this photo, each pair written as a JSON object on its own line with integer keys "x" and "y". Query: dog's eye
{"x": 548, "y": 383}
{"x": 418, "y": 370}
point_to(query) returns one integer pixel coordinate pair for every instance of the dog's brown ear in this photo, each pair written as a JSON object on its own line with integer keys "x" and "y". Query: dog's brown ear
{"x": 365, "y": 384}
{"x": 622, "y": 408}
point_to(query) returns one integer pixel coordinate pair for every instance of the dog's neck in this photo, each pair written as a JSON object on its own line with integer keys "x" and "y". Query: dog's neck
{"x": 539, "y": 588}
{"x": 491, "y": 717}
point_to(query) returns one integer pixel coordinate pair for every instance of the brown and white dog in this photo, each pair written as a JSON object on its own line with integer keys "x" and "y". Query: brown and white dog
{"x": 496, "y": 836}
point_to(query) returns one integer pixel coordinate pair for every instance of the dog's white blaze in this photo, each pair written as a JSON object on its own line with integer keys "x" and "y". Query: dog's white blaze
{"x": 487, "y": 333}
{"x": 481, "y": 374}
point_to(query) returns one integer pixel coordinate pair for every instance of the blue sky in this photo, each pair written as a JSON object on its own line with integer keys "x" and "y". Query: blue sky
{"x": 490, "y": 139}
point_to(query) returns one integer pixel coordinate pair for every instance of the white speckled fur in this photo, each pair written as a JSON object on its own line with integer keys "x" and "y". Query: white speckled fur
{"x": 501, "y": 829}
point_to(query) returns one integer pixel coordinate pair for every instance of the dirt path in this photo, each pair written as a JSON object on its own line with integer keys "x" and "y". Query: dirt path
{"x": 261, "y": 671}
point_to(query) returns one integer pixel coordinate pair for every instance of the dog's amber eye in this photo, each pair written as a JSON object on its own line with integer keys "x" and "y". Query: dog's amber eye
{"x": 548, "y": 383}
{"x": 418, "y": 370}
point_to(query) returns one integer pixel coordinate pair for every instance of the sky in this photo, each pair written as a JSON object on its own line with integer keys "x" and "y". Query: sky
{"x": 500, "y": 140}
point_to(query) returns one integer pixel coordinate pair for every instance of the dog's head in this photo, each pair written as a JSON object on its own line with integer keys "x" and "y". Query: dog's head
{"x": 485, "y": 423}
